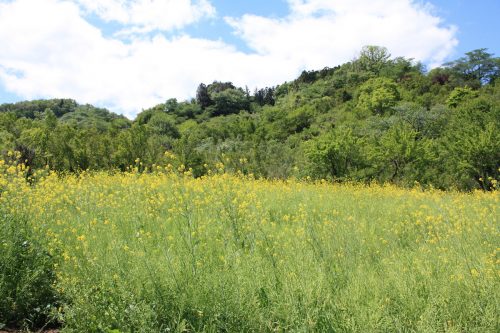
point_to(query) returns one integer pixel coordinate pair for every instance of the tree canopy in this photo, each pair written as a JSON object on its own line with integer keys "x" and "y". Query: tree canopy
{"x": 375, "y": 118}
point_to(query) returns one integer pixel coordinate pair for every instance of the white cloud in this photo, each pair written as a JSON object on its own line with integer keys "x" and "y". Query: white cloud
{"x": 149, "y": 15}
{"x": 320, "y": 33}
{"x": 50, "y": 50}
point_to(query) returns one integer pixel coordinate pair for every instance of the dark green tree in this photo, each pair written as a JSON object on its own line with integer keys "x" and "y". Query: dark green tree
{"x": 202, "y": 96}
{"x": 477, "y": 67}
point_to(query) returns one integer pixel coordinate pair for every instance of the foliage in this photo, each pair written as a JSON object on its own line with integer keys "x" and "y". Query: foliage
{"x": 406, "y": 125}
{"x": 335, "y": 154}
{"x": 227, "y": 102}
{"x": 378, "y": 95}
{"x": 26, "y": 276}
{"x": 477, "y": 67}
{"x": 459, "y": 95}
{"x": 472, "y": 143}
{"x": 373, "y": 58}
{"x": 33, "y": 109}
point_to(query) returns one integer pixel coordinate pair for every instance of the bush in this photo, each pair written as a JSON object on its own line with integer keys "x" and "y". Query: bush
{"x": 27, "y": 295}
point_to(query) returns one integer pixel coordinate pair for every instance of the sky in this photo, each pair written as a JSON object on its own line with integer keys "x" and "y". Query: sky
{"x": 128, "y": 55}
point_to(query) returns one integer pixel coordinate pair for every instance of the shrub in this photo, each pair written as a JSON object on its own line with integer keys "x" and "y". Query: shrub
{"x": 27, "y": 295}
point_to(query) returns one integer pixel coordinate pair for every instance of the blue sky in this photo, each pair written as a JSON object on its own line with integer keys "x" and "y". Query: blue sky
{"x": 132, "y": 54}
{"x": 477, "y": 21}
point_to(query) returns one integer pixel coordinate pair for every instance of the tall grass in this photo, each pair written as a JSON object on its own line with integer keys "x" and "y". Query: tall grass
{"x": 164, "y": 252}
{"x": 27, "y": 294}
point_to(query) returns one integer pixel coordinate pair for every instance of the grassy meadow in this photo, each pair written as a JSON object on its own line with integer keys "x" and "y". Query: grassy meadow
{"x": 165, "y": 252}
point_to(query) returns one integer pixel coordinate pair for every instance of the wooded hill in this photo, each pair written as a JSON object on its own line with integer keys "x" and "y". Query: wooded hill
{"x": 375, "y": 118}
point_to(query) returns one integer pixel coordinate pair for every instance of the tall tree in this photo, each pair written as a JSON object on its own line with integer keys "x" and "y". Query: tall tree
{"x": 202, "y": 96}
{"x": 373, "y": 58}
{"x": 477, "y": 66}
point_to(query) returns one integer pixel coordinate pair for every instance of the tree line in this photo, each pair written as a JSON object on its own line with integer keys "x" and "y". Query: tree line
{"x": 375, "y": 118}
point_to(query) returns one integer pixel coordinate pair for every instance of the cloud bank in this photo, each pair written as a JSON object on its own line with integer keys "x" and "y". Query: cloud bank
{"x": 50, "y": 49}
{"x": 149, "y": 15}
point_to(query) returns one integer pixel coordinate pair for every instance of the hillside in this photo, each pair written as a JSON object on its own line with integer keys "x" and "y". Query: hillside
{"x": 375, "y": 118}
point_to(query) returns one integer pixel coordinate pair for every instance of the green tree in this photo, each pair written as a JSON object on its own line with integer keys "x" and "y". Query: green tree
{"x": 399, "y": 156}
{"x": 162, "y": 124}
{"x": 227, "y": 102}
{"x": 378, "y": 95}
{"x": 202, "y": 96}
{"x": 335, "y": 154}
{"x": 477, "y": 67}
{"x": 372, "y": 59}
{"x": 471, "y": 145}
{"x": 460, "y": 95}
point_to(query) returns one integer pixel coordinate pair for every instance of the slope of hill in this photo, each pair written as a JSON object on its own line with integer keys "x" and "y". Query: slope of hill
{"x": 376, "y": 118}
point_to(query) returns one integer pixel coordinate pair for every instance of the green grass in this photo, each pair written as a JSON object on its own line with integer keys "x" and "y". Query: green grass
{"x": 163, "y": 253}
{"x": 26, "y": 276}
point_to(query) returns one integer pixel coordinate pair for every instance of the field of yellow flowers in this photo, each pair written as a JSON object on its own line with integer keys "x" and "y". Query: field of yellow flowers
{"x": 165, "y": 252}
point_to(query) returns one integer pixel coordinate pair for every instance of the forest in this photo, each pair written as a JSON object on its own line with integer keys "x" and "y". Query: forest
{"x": 376, "y": 118}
